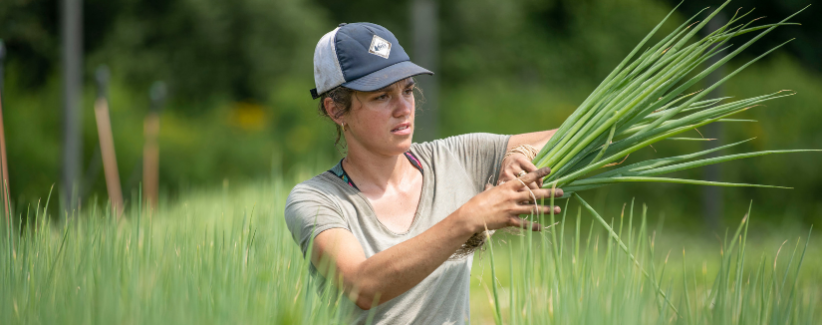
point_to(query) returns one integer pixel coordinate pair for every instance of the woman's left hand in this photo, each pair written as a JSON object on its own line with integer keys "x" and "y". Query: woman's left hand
{"x": 516, "y": 164}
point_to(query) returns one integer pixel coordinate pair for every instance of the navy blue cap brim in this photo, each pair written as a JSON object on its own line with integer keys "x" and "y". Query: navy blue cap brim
{"x": 387, "y": 76}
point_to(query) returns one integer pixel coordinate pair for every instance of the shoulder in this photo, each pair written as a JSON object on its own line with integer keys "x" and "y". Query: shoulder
{"x": 322, "y": 188}
{"x": 463, "y": 139}
{"x": 477, "y": 155}
{"x": 314, "y": 206}
{"x": 459, "y": 144}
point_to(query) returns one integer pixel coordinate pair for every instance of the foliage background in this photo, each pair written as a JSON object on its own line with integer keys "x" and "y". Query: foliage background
{"x": 239, "y": 74}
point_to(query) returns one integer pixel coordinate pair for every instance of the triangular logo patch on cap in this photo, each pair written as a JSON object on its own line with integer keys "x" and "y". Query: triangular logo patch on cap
{"x": 379, "y": 47}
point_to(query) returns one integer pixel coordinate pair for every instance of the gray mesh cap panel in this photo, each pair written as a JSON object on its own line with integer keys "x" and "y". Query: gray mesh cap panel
{"x": 327, "y": 71}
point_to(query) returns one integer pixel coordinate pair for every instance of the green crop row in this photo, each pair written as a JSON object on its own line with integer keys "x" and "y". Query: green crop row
{"x": 225, "y": 256}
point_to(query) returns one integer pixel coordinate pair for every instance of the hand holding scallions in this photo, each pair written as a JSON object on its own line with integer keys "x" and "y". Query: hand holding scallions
{"x": 513, "y": 165}
{"x": 500, "y": 206}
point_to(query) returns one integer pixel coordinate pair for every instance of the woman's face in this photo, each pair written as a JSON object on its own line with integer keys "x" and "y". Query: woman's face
{"x": 382, "y": 121}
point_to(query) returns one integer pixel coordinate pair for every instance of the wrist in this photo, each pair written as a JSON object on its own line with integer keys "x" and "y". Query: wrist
{"x": 466, "y": 224}
{"x": 526, "y": 150}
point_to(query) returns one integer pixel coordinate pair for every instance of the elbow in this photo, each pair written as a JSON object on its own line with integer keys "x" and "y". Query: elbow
{"x": 369, "y": 290}
{"x": 367, "y": 297}
{"x": 364, "y": 304}
{"x": 367, "y": 300}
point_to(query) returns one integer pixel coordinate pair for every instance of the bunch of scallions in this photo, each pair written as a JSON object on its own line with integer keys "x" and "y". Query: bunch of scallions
{"x": 643, "y": 102}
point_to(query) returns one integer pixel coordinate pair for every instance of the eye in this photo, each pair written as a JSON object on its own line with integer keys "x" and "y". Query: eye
{"x": 409, "y": 91}
{"x": 380, "y": 96}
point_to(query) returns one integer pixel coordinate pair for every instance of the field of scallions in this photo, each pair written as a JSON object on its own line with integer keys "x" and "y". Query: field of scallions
{"x": 224, "y": 256}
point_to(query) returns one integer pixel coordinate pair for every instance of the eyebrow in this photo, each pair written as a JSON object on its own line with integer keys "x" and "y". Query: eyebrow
{"x": 409, "y": 82}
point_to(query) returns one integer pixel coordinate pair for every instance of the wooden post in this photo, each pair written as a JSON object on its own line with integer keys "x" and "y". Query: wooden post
{"x": 2, "y": 60}
{"x": 151, "y": 149}
{"x": 3, "y": 161}
{"x": 101, "y": 113}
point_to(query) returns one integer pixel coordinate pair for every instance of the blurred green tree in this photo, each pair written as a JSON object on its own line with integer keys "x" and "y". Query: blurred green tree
{"x": 806, "y": 47}
{"x": 239, "y": 73}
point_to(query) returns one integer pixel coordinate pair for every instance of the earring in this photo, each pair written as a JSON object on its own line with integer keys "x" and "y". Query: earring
{"x": 344, "y": 126}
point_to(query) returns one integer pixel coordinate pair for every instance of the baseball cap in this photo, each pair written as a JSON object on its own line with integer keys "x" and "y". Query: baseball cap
{"x": 360, "y": 56}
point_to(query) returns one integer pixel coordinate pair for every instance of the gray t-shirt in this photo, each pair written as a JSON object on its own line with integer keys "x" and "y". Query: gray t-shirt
{"x": 454, "y": 170}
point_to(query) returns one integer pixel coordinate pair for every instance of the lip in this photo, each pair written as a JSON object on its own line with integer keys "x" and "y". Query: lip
{"x": 405, "y": 131}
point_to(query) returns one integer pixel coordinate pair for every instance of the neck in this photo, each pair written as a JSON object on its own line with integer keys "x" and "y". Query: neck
{"x": 374, "y": 171}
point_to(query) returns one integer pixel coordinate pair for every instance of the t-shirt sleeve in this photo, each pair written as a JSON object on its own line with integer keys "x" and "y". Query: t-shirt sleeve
{"x": 308, "y": 212}
{"x": 480, "y": 154}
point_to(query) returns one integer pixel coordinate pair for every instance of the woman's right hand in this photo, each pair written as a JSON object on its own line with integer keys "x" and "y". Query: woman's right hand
{"x": 500, "y": 206}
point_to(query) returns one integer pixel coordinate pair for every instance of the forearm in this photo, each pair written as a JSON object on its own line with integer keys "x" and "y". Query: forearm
{"x": 396, "y": 270}
{"x": 535, "y": 139}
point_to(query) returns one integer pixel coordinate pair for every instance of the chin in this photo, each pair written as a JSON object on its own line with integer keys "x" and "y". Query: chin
{"x": 394, "y": 144}
{"x": 402, "y": 147}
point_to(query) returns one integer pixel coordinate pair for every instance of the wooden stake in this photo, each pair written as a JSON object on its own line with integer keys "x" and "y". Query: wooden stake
{"x": 151, "y": 149}
{"x": 151, "y": 159}
{"x": 101, "y": 113}
{"x": 3, "y": 161}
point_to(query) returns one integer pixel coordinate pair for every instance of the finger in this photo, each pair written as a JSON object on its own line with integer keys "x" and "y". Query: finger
{"x": 518, "y": 222}
{"x": 532, "y": 186}
{"x": 546, "y": 193}
{"x": 511, "y": 173}
{"x": 537, "y": 174}
{"x": 529, "y": 167}
{"x": 524, "y": 183}
{"x": 505, "y": 176}
{"x": 537, "y": 194}
{"x": 535, "y": 209}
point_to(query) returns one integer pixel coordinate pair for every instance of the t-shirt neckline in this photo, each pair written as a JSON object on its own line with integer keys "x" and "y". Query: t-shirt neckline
{"x": 421, "y": 205}
{"x": 340, "y": 172}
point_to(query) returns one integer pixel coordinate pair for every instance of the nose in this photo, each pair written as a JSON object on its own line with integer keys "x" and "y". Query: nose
{"x": 404, "y": 106}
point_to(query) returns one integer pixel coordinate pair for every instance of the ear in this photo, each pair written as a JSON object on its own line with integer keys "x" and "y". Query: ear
{"x": 332, "y": 109}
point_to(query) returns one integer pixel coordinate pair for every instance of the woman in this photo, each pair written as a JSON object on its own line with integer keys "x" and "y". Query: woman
{"x": 389, "y": 218}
